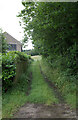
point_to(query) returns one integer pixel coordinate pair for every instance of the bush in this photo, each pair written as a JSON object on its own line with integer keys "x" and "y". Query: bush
{"x": 32, "y": 52}
{"x": 9, "y": 64}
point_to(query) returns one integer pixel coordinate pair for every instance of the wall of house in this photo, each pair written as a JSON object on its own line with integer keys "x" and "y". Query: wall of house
{"x": 18, "y": 47}
{"x": 11, "y": 40}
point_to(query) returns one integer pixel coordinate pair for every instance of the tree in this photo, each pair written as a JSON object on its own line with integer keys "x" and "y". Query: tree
{"x": 3, "y": 44}
{"x": 53, "y": 27}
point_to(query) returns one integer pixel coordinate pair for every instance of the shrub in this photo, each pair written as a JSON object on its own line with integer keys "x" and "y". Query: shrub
{"x": 9, "y": 64}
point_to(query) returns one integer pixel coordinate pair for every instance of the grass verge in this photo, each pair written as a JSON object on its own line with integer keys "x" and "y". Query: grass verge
{"x": 11, "y": 101}
{"x": 15, "y": 97}
{"x": 56, "y": 76}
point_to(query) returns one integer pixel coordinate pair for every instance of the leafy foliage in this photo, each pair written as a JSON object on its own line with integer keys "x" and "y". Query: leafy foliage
{"x": 9, "y": 64}
{"x": 32, "y": 52}
{"x": 53, "y": 27}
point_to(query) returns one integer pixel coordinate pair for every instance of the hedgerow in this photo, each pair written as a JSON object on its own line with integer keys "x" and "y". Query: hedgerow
{"x": 54, "y": 32}
{"x": 10, "y": 63}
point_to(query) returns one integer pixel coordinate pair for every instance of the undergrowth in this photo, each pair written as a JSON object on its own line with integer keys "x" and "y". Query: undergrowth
{"x": 62, "y": 81}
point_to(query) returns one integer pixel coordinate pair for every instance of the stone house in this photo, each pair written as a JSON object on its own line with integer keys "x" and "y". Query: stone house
{"x": 14, "y": 45}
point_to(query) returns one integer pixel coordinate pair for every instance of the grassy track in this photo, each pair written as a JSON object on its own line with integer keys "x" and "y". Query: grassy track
{"x": 40, "y": 91}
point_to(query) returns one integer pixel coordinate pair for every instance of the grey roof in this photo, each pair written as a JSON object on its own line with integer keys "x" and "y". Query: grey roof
{"x": 9, "y": 37}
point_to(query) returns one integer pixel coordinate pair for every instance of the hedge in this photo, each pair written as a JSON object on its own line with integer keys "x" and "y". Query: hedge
{"x": 10, "y": 62}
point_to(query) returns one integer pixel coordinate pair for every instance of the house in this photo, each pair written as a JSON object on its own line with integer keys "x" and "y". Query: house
{"x": 14, "y": 45}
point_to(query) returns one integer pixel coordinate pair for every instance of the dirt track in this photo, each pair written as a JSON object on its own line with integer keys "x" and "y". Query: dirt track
{"x": 43, "y": 111}
{"x": 61, "y": 110}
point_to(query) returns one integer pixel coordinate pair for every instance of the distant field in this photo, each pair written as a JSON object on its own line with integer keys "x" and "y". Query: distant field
{"x": 37, "y": 57}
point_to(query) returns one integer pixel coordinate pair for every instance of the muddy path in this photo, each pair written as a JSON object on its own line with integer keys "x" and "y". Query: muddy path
{"x": 37, "y": 110}
{"x": 31, "y": 110}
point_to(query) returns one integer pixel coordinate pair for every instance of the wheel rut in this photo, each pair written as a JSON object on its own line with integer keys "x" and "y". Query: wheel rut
{"x": 37, "y": 110}
{"x": 53, "y": 87}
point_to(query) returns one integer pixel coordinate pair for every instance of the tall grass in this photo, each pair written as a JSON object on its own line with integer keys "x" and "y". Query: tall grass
{"x": 62, "y": 81}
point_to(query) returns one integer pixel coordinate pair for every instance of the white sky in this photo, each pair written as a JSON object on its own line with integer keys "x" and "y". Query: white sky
{"x": 8, "y": 20}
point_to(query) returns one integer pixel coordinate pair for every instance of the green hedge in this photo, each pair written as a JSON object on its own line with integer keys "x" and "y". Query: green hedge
{"x": 9, "y": 64}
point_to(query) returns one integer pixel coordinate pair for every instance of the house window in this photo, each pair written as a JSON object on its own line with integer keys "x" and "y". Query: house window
{"x": 12, "y": 47}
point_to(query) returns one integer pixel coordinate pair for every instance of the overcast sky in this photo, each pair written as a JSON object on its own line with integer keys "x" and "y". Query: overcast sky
{"x": 8, "y": 20}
